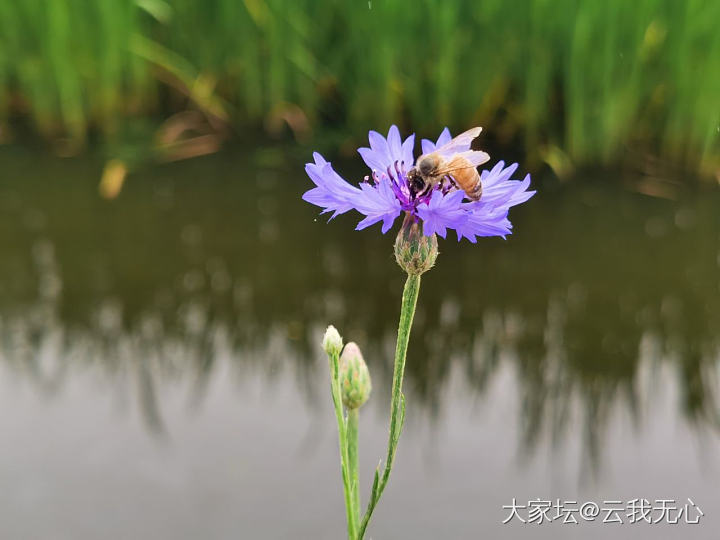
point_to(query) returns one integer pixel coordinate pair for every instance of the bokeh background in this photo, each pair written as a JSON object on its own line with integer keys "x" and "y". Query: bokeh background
{"x": 571, "y": 83}
{"x": 163, "y": 288}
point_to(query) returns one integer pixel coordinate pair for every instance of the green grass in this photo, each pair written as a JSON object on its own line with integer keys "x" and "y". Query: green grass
{"x": 592, "y": 82}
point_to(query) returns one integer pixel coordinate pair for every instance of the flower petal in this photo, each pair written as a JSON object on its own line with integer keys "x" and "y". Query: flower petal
{"x": 429, "y": 146}
{"x": 407, "y": 151}
{"x": 483, "y": 222}
{"x": 442, "y": 212}
{"x": 488, "y": 216}
{"x": 331, "y": 193}
{"x": 383, "y": 153}
{"x": 379, "y": 203}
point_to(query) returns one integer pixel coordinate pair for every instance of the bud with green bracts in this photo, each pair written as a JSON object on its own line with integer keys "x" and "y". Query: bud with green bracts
{"x": 332, "y": 342}
{"x": 415, "y": 252}
{"x": 355, "y": 385}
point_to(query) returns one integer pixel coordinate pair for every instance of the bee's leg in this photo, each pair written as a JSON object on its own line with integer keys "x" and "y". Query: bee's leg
{"x": 424, "y": 187}
{"x": 447, "y": 183}
{"x": 442, "y": 185}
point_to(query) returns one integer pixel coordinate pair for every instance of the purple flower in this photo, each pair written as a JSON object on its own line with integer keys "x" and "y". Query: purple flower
{"x": 387, "y": 192}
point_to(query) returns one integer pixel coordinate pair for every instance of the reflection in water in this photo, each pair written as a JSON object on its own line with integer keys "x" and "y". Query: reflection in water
{"x": 601, "y": 291}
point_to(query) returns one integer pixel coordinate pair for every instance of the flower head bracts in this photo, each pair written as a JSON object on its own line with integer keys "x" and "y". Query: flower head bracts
{"x": 386, "y": 193}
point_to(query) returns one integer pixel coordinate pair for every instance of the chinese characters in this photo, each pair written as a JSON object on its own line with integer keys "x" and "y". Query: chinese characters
{"x": 631, "y": 512}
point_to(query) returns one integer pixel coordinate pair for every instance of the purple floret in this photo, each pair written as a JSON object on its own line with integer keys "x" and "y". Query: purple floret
{"x": 386, "y": 193}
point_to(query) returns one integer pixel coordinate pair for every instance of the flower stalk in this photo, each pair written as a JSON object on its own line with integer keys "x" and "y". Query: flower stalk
{"x": 353, "y": 419}
{"x": 332, "y": 344}
{"x": 415, "y": 254}
{"x": 350, "y": 386}
{"x": 397, "y": 404}
{"x": 355, "y": 387}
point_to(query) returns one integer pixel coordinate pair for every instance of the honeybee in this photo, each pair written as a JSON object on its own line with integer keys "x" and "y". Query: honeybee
{"x": 453, "y": 163}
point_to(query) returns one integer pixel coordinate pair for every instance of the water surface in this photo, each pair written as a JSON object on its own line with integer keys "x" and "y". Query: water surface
{"x": 160, "y": 375}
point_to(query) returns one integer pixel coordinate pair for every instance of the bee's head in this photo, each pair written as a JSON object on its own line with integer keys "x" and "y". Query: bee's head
{"x": 426, "y": 165}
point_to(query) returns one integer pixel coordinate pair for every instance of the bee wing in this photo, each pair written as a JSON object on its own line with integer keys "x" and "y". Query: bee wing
{"x": 475, "y": 157}
{"x": 459, "y": 144}
{"x": 465, "y": 160}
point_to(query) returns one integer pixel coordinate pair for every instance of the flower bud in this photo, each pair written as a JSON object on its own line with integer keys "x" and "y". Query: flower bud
{"x": 332, "y": 342}
{"x": 354, "y": 377}
{"x": 415, "y": 252}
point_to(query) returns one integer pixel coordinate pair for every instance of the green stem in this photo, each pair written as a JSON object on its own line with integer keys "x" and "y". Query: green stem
{"x": 397, "y": 404}
{"x": 342, "y": 430}
{"x": 352, "y": 444}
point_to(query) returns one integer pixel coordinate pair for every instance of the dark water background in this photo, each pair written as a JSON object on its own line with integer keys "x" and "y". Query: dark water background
{"x": 160, "y": 374}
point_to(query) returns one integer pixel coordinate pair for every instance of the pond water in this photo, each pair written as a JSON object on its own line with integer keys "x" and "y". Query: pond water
{"x": 160, "y": 373}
